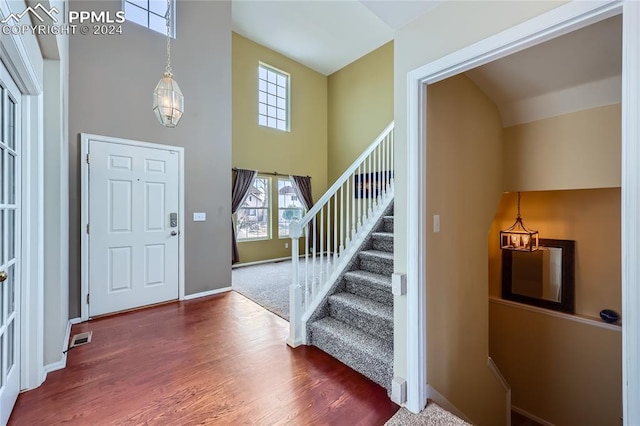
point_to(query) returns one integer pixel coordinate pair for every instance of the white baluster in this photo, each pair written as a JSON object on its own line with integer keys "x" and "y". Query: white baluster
{"x": 344, "y": 221}
{"x": 314, "y": 237}
{"x": 360, "y": 191}
{"x": 335, "y": 228}
{"x": 329, "y": 257}
{"x": 306, "y": 267}
{"x": 393, "y": 167}
{"x": 322, "y": 236}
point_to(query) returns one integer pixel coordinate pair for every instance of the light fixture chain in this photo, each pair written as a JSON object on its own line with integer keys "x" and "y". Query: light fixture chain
{"x": 168, "y": 19}
{"x": 518, "y": 203}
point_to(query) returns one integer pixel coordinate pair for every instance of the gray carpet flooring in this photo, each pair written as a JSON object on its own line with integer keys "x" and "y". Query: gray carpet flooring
{"x": 266, "y": 284}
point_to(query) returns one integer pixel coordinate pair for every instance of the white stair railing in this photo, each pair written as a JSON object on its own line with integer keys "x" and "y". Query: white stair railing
{"x": 334, "y": 228}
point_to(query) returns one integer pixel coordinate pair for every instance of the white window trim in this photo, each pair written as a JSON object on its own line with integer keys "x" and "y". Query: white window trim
{"x": 172, "y": 32}
{"x": 304, "y": 211}
{"x": 288, "y": 107}
{"x": 269, "y": 209}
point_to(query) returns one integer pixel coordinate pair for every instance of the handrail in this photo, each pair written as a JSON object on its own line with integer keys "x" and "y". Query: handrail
{"x": 340, "y": 220}
{"x": 346, "y": 175}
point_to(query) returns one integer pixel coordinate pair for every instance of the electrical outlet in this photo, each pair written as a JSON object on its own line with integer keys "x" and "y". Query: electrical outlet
{"x": 199, "y": 217}
{"x": 286, "y": 245}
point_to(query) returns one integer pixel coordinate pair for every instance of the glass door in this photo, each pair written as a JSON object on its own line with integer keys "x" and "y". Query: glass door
{"x": 9, "y": 244}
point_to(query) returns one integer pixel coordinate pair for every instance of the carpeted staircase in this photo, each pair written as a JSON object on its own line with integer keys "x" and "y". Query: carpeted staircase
{"x": 355, "y": 322}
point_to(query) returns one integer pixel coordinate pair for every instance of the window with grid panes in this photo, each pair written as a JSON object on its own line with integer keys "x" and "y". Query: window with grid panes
{"x": 253, "y": 217}
{"x": 151, "y": 14}
{"x": 273, "y": 98}
{"x": 289, "y": 206}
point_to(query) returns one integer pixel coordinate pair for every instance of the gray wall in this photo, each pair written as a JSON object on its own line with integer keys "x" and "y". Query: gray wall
{"x": 111, "y": 80}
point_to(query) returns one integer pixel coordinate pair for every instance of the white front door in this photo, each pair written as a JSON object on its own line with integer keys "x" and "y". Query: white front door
{"x": 9, "y": 244}
{"x": 133, "y": 226}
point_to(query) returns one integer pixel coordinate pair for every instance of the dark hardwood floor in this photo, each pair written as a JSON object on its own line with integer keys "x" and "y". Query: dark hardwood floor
{"x": 220, "y": 360}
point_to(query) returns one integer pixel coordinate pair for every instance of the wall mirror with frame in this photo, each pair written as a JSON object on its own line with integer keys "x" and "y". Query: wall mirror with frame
{"x": 543, "y": 278}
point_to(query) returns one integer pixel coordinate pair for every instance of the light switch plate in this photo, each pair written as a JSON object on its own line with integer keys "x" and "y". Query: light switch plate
{"x": 199, "y": 217}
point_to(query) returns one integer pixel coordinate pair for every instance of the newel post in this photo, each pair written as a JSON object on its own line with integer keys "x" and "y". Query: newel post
{"x": 295, "y": 290}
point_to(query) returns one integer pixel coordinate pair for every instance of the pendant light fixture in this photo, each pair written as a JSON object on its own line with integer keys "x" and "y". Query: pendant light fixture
{"x": 518, "y": 237}
{"x": 168, "y": 102}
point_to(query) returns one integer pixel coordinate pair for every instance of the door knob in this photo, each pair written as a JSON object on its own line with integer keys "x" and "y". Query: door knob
{"x": 174, "y": 233}
{"x": 3, "y": 276}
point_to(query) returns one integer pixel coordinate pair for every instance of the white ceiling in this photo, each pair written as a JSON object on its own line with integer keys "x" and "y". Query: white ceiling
{"x": 573, "y": 72}
{"x": 324, "y": 35}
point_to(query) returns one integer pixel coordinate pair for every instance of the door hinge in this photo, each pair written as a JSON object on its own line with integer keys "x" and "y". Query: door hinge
{"x": 87, "y": 228}
{"x": 87, "y": 158}
{"x": 87, "y": 298}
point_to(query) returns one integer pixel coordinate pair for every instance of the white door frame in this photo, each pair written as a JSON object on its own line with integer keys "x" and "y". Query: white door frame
{"x": 84, "y": 239}
{"x": 14, "y": 52}
{"x": 564, "y": 19}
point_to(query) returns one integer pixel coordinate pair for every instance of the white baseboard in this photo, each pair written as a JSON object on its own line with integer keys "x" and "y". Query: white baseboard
{"x": 399, "y": 390}
{"x": 207, "y": 293}
{"x": 62, "y": 363}
{"x": 439, "y": 399}
{"x": 260, "y": 262}
{"x": 531, "y": 416}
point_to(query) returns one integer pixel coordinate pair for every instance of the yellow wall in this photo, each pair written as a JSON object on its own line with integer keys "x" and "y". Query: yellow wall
{"x": 577, "y": 367}
{"x": 591, "y": 217}
{"x": 565, "y": 372}
{"x": 465, "y": 143}
{"x": 571, "y": 151}
{"x": 302, "y": 151}
{"x": 360, "y": 107}
{"x": 423, "y": 41}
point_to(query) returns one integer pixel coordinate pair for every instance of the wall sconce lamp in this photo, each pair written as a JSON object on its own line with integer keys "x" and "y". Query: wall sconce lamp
{"x": 518, "y": 237}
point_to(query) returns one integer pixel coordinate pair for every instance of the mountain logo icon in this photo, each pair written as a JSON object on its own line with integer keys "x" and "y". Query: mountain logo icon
{"x": 38, "y": 12}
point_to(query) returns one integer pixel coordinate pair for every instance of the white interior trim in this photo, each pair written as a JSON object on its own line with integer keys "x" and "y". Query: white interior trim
{"x": 630, "y": 212}
{"x": 206, "y": 293}
{"x": 261, "y": 262}
{"x": 62, "y": 363}
{"x": 15, "y": 56}
{"x": 576, "y": 318}
{"x": 84, "y": 238}
{"x": 32, "y": 331}
{"x": 559, "y": 21}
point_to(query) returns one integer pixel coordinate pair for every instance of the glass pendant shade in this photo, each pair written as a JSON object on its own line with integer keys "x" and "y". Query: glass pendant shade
{"x": 168, "y": 101}
{"x": 518, "y": 237}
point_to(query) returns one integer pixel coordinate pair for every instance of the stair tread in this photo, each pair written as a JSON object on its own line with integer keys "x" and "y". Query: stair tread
{"x": 363, "y": 305}
{"x": 351, "y": 336}
{"x": 373, "y": 278}
{"x": 377, "y": 253}
{"x": 382, "y": 235}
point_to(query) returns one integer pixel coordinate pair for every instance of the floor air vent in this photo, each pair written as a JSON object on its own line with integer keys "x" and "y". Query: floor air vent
{"x": 81, "y": 339}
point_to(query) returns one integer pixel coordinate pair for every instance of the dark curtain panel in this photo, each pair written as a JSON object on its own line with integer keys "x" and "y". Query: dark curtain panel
{"x": 303, "y": 185}
{"x": 241, "y": 185}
